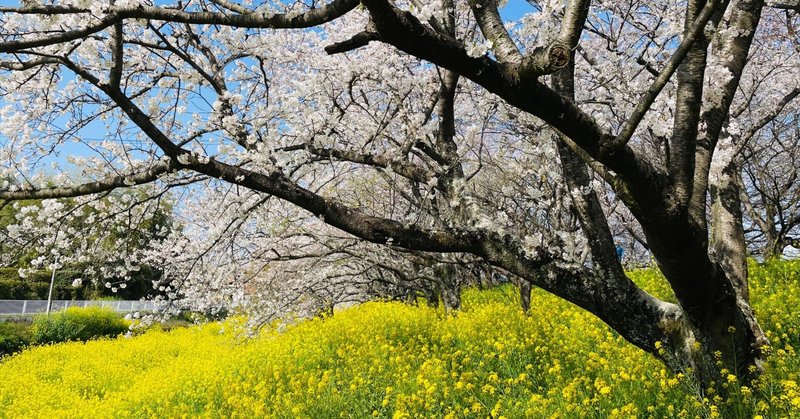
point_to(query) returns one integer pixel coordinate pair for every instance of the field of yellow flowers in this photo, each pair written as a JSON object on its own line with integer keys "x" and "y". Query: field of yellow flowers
{"x": 394, "y": 360}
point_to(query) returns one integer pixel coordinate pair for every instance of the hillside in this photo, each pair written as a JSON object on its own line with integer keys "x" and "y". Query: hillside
{"x": 394, "y": 360}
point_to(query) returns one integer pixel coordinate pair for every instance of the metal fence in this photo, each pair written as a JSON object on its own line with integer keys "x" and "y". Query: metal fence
{"x": 26, "y": 307}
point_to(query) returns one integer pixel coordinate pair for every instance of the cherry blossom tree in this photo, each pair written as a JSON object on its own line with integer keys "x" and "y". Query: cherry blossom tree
{"x": 771, "y": 193}
{"x": 96, "y": 237}
{"x": 426, "y": 127}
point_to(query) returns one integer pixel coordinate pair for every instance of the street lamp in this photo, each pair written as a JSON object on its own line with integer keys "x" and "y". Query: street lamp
{"x": 52, "y": 283}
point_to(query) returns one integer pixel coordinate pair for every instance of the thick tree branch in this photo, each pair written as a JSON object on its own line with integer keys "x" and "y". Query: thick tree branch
{"x": 558, "y": 53}
{"x": 445, "y": 135}
{"x": 494, "y": 31}
{"x": 313, "y": 17}
{"x": 545, "y": 60}
{"x": 358, "y": 40}
{"x": 115, "y": 75}
{"x": 573, "y": 22}
{"x": 406, "y": 33}
{"x": 786, "y": 5}
{"x": 405, "y": 169}
{"x": 26, "y": 65}
{"x": 570, "y": 283}
{"x": 733, "y": 50}
{"x": 58, "y": 38}
{"x": 587, "y": 205}
{"x": 665, "y": 75}
{"x": 89, "y": 188}
{"x": 688, "y": 104}
{"x": 41, "y": 9}
{"x": 358, "y": 223}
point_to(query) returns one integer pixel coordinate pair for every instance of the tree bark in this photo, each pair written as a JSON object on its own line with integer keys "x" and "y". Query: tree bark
{"x": 714, "y": 301}
{"x": 432, "y": 298}
{"x": 525, "y": 295}
{"x": 450, "y": 286}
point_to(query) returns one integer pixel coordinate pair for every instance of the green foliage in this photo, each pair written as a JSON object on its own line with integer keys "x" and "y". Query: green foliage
{"x": 22, "y": 290}
{"x": 79, "y": 324}
{"x": 13, "y": 337}
{"x": 37, "y": 285}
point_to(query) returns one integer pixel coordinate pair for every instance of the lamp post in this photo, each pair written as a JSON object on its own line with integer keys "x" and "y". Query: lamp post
{"x": 52, "y": 282}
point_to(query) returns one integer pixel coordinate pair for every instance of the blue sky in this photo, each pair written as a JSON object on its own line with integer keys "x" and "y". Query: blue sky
{"x": 515, "y": 9}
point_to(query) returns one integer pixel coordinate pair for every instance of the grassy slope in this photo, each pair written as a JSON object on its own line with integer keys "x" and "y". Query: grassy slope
{"x": 388, "y": 359}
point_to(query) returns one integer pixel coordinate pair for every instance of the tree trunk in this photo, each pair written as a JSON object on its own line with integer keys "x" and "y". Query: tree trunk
{"x": 719, "y": 330}
{"x": 730, "y": 252}
{"x": 773, "y": 248}
{"x": 717, "y": 317}
{"x": 431, "y": 298}
{"x": 409, "y": 297}
{"x": 451, "y": 286}
{"x": 728, "y": 340}
{"x": 525, "y": 294}
{"x": 713, "y": 317}
{"x": 451, "y": 297}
